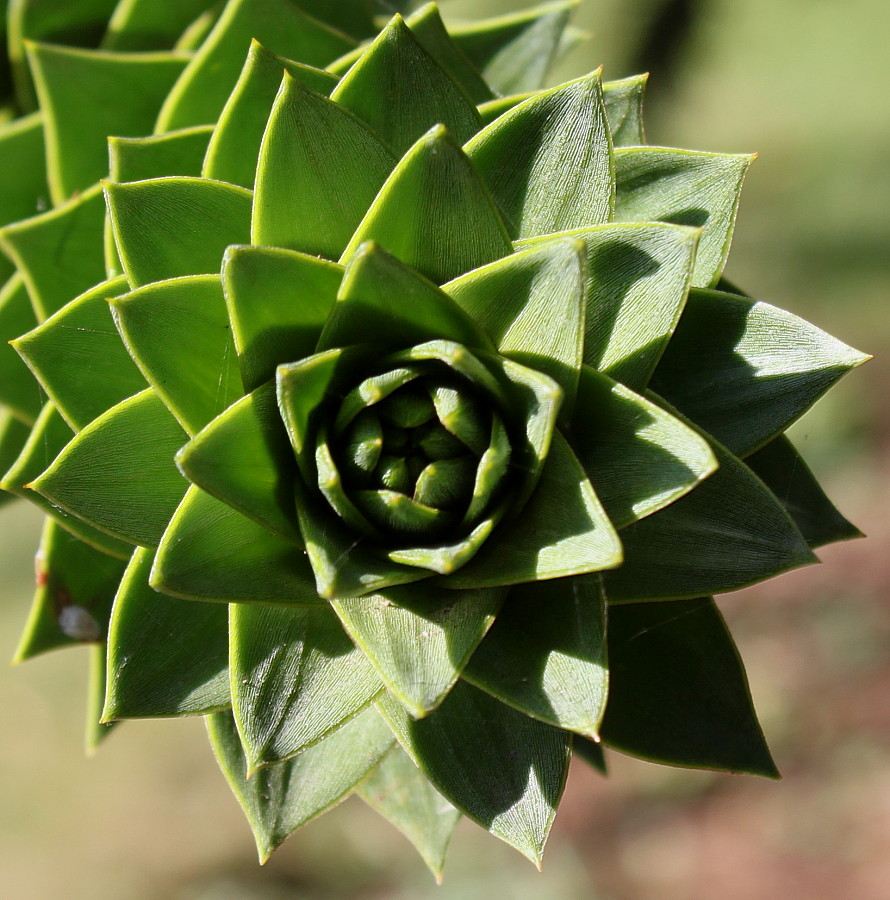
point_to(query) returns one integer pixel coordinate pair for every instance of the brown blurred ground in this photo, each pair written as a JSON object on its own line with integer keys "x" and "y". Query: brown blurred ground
{"x": 803, "y": 82}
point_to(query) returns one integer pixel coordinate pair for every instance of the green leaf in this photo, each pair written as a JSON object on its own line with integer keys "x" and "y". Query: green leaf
{"x": 17, "y": 388}
{"x": 400, "y": 91}
{"x": 435, "y": 213}
{"x": 497, "y": 766}
{"x": 637, "y": 281}
{"x": 179, "y": 335}
{"x": 319, "y": 170}
{"x": 210, "y": 551}
{"x": 678, "y": 692}
{"x": 47, "y": 439}
{"x": 242, "y": 457}
{"x": 148, "y": 25}
{"x": 96, "y": 729}
{"x": 75, "y": 588}
{"x": 201, "y": 93}
{"x": 87, "y": 95}
{"x": 785, "y": 473}
{"x": 64, "y": 350}
{"x": 744, "y": 370}
{"x": 419, "y": 637}
{"x": 548, "y": 161}
{"x": 118, "y": 474}
{"x": 382, "y": 299}
{"x": 727, "y": 533}
{"x": 546, "y": 653}
{"x": 624, "y": 110}
{"x": 515, "y": 52}
{"x": 280, "y": 799}
{"x": 59, "y": 253}
{"x": 638, "y": 456}
{"x": 23, "y": 184}
{"x": 686, "y": 187}
{"x": 427, "y": 26}
{"x": 532, "y": 305}
{"x": 296, "y": 678}
{"x": 169, "y": 227}
{"x": 166, "y": 657}
{"x": 398, "y": 791}
{"x": 591, "y": 752}
{"x": 561, "y": 531}
{"x": 278, "y": 302}
{"x": 235, "y": 145}
{"x": 494, "y": 109}
{"x": 175, "y": 153}
{"x": 13, "y": 435}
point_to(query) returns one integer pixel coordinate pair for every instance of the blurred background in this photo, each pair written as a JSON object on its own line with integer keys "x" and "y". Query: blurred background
{"x": 804, "y": 83}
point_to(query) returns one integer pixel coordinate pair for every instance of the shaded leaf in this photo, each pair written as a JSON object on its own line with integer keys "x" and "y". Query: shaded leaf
{"x": 296, "y": 678}
{"x": 548, "y": 161}
{"x": 400, "y": 91}
{"x": 400, "y": 792}
{"x": 118, "y": 474}
{"x": 64, "y": 350}
{"x": 744, "y": 370}
{"x": 419, "y": 637}
{"x": 545, "y": 655}
{"x": 24, "y": 187}
{"x": 148, "y": 25}
{"x": 639, "y": 457}
{"x": 318, "y": 172}
{"x": 97, "y": 730}
{"x": 678, "y": 692}
{"x": 785, "y": 473}
{"x": 624, "y": 109}
{"x": 17, "y": 388}
{"x": 727, "y": 533}
{"x": 435, "y": 213}
{"x": 166, "y": 657}
{"x": 281, "y": 798}
{"x": 497, "y": 766}
{"x": 169, "y": 227}
{"x": 210, "y": 551}
{"x": 175, "y": 153}
{"x": 686, "y": 187}
{"x": 76, "y": 585}
{"x": 13, "y": 435}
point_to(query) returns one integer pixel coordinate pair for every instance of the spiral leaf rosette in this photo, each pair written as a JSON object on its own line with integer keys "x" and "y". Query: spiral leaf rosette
{"x": 398, "y": 420}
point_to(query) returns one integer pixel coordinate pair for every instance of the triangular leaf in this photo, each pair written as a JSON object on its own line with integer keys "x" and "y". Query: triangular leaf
{"x": 546, "y": 653}
{"x": 497, "y": 766}
{"x": 175, "y": 153}
{"x": 419, "y": 637}
{"x": 178, "y": 333}
{"x": 88, "y": 95}
{"x": 17, "y": 388}
{"x": 76, "y": 585}
{"x": 562, "y": 530}
{"x": 319, "y": 169}
{"x": 64, "y": 350}
{"x": 166, "y": 657}
{"x": 678, "y": 692}
{"x": 435, "y": 213}
{"x": 210, "y": 551}
{"x": 784, "y": 472}
{"x": 637, "y": 280}
{"x": 278, "y": 302}
{"x": 96, "y": 729}
{"x": 296, "y": 677}
{"x": 548, "y": 161}
{"x": 639, "y": 457}
{"x": 201, "y": 93}
{"x": 169, "y": 227}
{"x": 727, "y": 533}
{"x": 400, "y": 91}
{"x": 532, "y": 305}
{"x": 279, "y": 799}
{"x": 118, "y": 474}
{"x": 744, "y": 370}
{"x": 24, "y": 187}
{"x": 13, "y": 436}
{"x": 235, "y": 146}
{"x": 685, "y": 187}
{"x": 624, "y": 110}
{"x": 400, "y": 792}
{"x": 149, "y": 25}
{"x": 59, "y": 253}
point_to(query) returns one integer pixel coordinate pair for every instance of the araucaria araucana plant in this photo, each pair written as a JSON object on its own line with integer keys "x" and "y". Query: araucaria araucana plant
{"x": 393, "y": 414}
